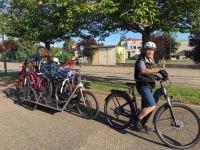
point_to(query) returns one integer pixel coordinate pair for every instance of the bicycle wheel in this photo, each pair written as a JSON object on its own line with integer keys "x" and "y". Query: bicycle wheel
{"x": 44, "y": 65}
{"x": 118, "y": 111}
{"x": 65, "y": 93}
{"x": 19, "y": 86}
{"x": 42, "y": 51}
{"x": 183, "y": 135}
{"x": 87, "y": 105}
{"x": 45, "y": 89}
{"x": 30, "y": 95}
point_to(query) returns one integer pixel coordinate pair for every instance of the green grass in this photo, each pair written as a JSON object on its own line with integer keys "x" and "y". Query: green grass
{"x": 4, "y": 76}
{"x": 172, "y": 61}
{"x": 184, "y": 95}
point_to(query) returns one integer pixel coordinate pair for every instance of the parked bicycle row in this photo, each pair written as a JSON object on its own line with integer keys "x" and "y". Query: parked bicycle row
{"x": 44, "y": 81}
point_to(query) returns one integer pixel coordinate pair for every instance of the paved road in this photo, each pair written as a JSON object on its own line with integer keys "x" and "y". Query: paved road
{"x": 45, "y": 129}
{"x": 179, "y": 76}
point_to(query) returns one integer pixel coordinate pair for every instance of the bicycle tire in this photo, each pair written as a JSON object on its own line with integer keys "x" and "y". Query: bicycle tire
{"x": 44, "y": 65}
{"x": 42, "y": 51}
{"x": 90, "y": 109}
{"x": 45, "y": 90}
{"x": 66, "y": 91}
{"x": 118, "y": 117}
{"x": 186, "y": 135}
{"x": 29, "y": 93}
{"x": 19, "y": 86}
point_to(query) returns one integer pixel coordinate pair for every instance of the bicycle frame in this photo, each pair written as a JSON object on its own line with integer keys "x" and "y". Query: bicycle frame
{"x": 162, "y": 91}
{"x": 79, "y": 86}
{"x": 36, "y": 80}
{"x": 22, "y": 74}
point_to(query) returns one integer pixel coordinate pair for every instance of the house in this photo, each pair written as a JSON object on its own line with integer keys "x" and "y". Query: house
{"x": 184, "y": 51}
{"x": 132, "y": 47}
{"x": 109, "y": 55}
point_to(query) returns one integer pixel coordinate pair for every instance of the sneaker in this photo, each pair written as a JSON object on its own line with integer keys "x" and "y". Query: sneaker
{"x": 140, "y": 126}
{"x": 148, "y": 129}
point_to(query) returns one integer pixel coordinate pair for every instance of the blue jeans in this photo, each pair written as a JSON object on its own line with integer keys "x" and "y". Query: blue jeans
{"x": 147, "y": 97}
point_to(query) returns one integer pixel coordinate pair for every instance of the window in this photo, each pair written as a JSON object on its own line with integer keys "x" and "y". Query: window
{"x": 129, "y": 54}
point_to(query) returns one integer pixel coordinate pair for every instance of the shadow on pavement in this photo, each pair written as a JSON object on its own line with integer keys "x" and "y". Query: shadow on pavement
{"x": 11, "y": 93}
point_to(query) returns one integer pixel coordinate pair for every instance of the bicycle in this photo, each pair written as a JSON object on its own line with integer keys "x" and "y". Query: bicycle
{"x": 176, "y": 124}
{"x": 41, "y": 84}
{"x": 20, "y": 83}
{"x": 85, "y": 101}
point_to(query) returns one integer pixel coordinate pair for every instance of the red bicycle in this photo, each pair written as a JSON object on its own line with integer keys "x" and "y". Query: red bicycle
{"x": 20, "y": 83}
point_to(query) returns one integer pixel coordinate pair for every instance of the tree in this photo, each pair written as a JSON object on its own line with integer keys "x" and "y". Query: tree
{"x": 163, "y": 43}
{"x": 27, "y": 46}
{"x": 67, "y": 42}
{"x": 122, "y": 38}
{"x": 194, "y": 41}
{"x": 6, "y": 45}
{"x": 88, "y": 44}
{"x": 45, "y": 21}
{"x": 142, "y": 16}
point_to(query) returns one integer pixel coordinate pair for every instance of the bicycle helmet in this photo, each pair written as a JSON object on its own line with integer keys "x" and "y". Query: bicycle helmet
{"x": 56, "y": 60}
{"x": 150, "y": 45}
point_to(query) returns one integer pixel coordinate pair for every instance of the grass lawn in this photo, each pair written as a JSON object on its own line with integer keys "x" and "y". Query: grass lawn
{"x": 184, "y": 95}
{"x": 4, "y": 76}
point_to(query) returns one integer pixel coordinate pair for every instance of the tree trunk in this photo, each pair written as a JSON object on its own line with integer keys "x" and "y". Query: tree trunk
{"x": 145, "y": 37}
{"x": 4, "y": 49}
{"x": 5, "y": 65}
{"x": 47, "y": 45}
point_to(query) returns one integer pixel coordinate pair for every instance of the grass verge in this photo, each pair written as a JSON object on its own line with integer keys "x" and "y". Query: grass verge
{"x": 4, "y": 76}
{"x": 184, "y": 95}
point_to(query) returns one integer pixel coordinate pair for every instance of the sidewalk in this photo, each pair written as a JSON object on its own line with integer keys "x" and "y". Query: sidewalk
{"x": 180, "y": 72}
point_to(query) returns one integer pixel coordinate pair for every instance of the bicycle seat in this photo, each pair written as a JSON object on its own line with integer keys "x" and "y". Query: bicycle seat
{"x": 130, "y": 84}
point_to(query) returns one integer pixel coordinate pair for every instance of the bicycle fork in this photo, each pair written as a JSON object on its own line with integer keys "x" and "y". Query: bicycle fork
{"x": 174, "y": 123}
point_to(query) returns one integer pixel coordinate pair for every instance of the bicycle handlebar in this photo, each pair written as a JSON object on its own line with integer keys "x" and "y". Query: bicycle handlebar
{"x": 159, "y": 78}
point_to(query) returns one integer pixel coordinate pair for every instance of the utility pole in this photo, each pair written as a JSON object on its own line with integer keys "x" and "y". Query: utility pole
{"x": 4, "y": 52}
{"x": 170, "y": 49}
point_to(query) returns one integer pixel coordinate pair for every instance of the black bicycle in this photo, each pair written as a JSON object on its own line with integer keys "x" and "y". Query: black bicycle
{"x": 176, "y": 124}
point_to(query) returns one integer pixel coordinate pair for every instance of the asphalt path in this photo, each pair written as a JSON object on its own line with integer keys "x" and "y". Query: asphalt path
{"x": 46, "y": 129}
{"x": 182, "y": 77}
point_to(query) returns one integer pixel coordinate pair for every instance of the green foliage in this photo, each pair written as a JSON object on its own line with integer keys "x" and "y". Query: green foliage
{"x": 194, "y": 41}
{"x": 122, "y": 38}
{"x": 184, "y": 95}
{"x": 47, "y": 22}
{"x": 166, "y": 45}
{"x": 53, "y": 21}
{"x": 92, "y": 51}
{"x": 6, "y": 76}
{"x": 89, "y": 50}
{"x": 119, "y": 57}
{"x": 143, "y": 16}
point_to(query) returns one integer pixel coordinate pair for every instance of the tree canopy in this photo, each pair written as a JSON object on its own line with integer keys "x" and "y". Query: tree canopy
{"x": 166, "y": 45}
{"x": 46, "y": 21}
{"x": 142, "y": 16}
{"x": 194, "y": 41}
{"x": 88, "y": 50}
{"x": 49, "y": 21}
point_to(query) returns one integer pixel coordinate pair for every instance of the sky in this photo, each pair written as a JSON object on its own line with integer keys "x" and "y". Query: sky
{"x": 115, "y": 38}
